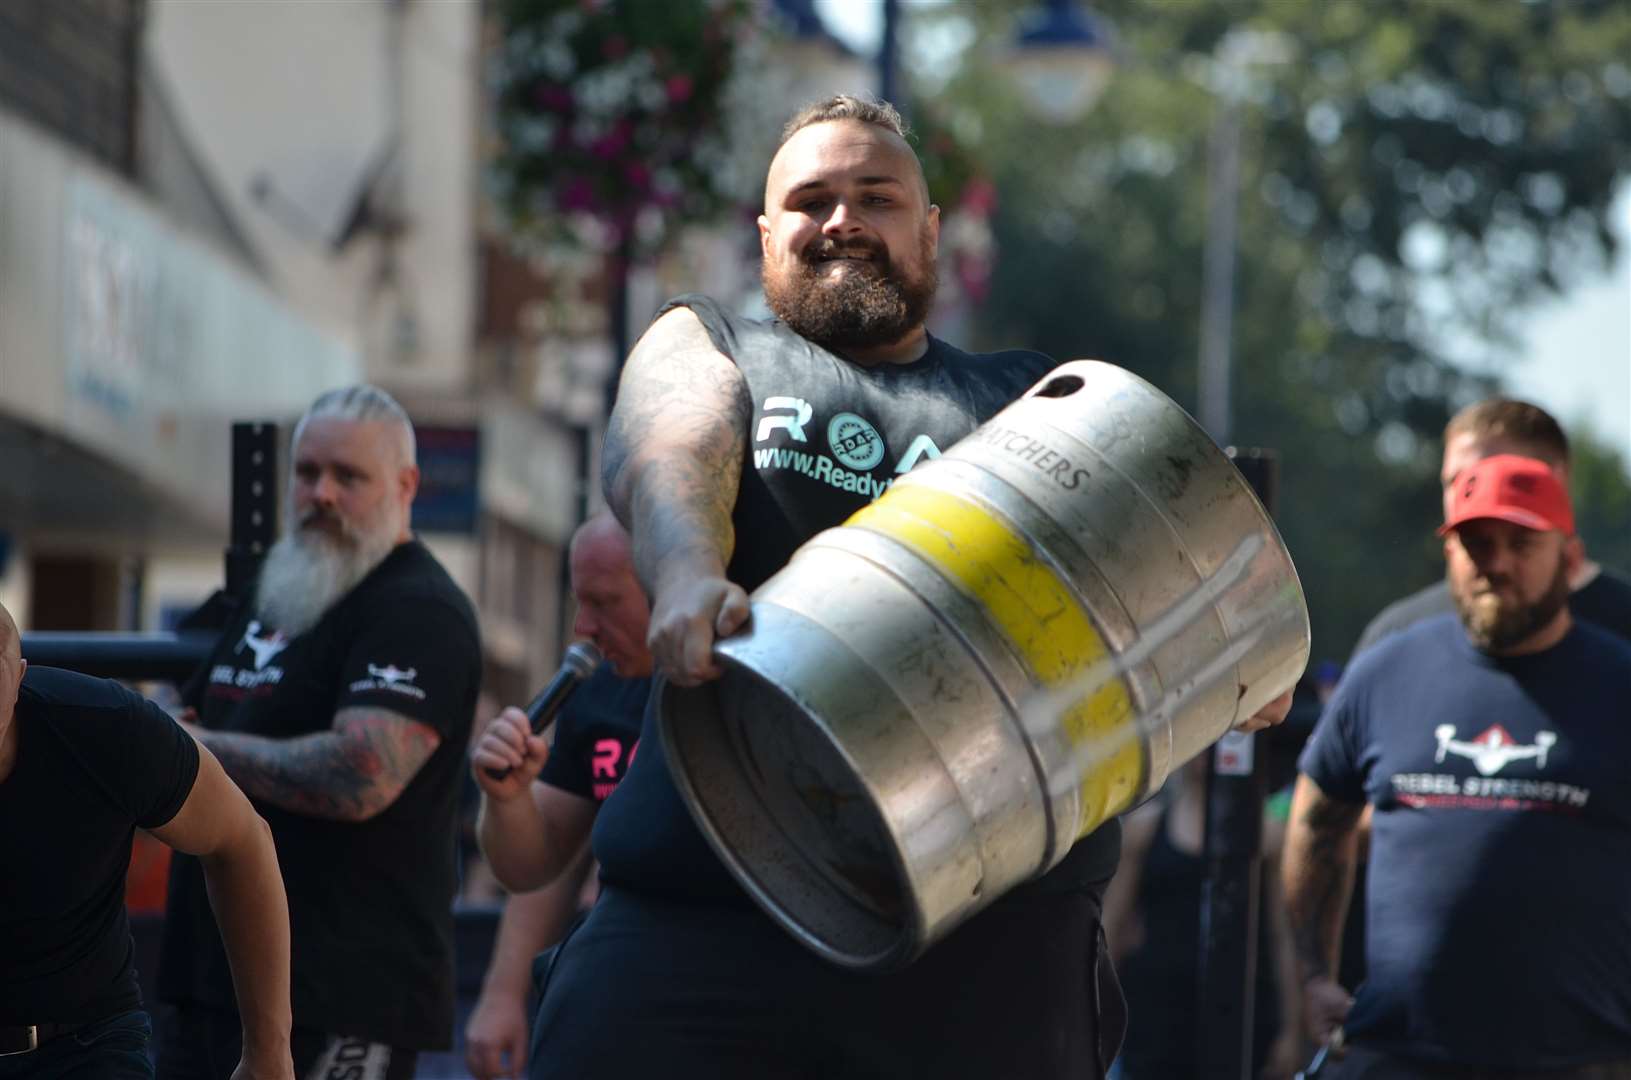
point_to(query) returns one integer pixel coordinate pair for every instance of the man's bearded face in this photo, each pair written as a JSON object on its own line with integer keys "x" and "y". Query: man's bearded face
{"x": 1505, "y": 600}
{"x": 344, "y": 518}
{"x": 852, "y": 294}
{"x": 848, "y": 237}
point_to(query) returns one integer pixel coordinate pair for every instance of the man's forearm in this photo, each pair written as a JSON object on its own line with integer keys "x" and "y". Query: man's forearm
{"x": 680, "y": 523}
{"x": 1318, "y": 873}
{"x": 532, "y": 922}
{"x": 350, "y": 773}
{"x": 246, "y": 892}
{"x": 317, "y": 775}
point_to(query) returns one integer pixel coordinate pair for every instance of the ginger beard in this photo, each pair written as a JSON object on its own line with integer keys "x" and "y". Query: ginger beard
{"x": 1495, "y": 619}
{"x": 867, "y": 300}
{"x": 317, "y": 562}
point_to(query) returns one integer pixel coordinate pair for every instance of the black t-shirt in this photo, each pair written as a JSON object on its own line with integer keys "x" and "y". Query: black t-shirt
{"x": 826, "y": 438}
{"x": 1498, "y": 915}
{"x": 596, "y": 735}
{"x": 370, "y": 903}
{"x": 94, "y": 763}
{"x": 1604, "y": 600}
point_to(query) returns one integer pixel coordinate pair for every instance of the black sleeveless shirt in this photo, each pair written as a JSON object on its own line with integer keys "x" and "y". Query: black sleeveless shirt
{"x": 826, "y": 438}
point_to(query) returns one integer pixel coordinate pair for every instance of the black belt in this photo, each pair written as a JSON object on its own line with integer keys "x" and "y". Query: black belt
{"x": 22, "y": 1039}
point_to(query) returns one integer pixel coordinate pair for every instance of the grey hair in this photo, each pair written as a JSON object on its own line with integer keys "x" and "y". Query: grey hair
{"x": 364, "y": 402}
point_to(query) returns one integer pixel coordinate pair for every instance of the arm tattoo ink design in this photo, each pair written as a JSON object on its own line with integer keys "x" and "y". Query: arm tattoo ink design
{"x": 674, "y": 448}
{"x": 1319, "y": 876}
{"x": 349, "y": 773}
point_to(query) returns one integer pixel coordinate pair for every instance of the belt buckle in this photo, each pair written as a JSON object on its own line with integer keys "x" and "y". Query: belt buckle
{"x": 33, "y": 1034}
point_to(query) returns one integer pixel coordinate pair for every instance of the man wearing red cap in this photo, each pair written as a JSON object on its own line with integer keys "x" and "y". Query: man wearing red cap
{"x": 1494, "y": 751}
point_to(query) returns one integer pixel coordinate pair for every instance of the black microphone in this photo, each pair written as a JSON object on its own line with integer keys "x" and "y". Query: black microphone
{"x": 578, "y": 664}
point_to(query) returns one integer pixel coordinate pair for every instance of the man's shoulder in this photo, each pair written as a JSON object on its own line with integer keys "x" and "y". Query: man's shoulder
{"x": 1606, "y": 602}
{"x": 1601, "y": 650}
{"x": 114, "y": 734}
{"x": 1404, "y": 613}
{"x": 1001, "y": 376}
{"x": 1423, "y": 643}
{"x": 62, "y": 693}
{"x": 412, "y": 574}
{"x": 1026, "y": 360}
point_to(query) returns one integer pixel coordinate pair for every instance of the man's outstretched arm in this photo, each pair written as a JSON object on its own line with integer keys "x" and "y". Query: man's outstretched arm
{"x": 217, "y": 824}
{"x": 671, "y": 469}
{"x": 1318, "y": 874}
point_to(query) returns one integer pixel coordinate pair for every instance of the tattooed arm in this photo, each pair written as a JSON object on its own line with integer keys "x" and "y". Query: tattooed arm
{"x": 351, "y": 772}
{"x": 1318, "y": 875}
{"x": 672, "y": 466}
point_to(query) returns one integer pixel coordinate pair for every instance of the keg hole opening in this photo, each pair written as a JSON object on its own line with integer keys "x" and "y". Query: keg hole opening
{"x": 1062, "y": 386}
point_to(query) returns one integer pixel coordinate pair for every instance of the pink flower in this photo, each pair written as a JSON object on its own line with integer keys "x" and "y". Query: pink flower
{"x": 611, "y": 144}
{"x": 552, "y": 96}
{"x": 679, "y": 88}
{"x": 576, "y": 195}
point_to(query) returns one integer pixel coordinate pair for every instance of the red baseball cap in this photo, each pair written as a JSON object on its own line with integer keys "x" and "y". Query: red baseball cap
{"x": 1507, "y": 487}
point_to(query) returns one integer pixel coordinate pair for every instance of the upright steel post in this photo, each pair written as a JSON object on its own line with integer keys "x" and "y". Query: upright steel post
{"x": 889, "y": 81}
{"x": 254, "y": 503}
{"x": 1226, "y": 989}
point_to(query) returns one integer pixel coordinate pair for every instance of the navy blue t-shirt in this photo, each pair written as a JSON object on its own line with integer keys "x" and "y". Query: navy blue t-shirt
{"x": 597, "y": 734}
{"x": 1498, "y": 914}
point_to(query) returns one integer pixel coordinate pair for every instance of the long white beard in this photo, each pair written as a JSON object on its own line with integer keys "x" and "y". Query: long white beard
{"x": 306, "y": 573}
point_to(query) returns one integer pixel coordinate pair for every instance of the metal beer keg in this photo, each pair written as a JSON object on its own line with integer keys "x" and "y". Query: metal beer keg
{"x": 1016, "y": 642}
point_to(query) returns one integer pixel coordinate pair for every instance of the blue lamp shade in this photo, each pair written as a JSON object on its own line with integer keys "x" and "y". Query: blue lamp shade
{"x": 1062, "y": 59}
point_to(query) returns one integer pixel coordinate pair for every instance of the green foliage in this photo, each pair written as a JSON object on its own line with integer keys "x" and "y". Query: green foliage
{"x": 1602, "y": 500}
{"x": 1419, "y": 171}
{"x": 608, "y": 112}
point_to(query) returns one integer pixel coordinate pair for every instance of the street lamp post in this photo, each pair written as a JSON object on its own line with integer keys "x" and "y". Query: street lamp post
{"x": 1228, "y": 77}
{"x": 1233, "y": 842}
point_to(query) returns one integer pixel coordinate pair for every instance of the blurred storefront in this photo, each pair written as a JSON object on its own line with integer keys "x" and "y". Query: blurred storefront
{"x": 213, "y": 212}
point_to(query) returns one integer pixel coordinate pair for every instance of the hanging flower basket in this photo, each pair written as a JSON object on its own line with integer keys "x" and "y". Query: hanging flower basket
{"x": 610, "y": 117}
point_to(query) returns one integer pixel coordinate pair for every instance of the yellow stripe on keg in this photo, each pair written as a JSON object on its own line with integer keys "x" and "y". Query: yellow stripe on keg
{"x": 1035, "y": 610}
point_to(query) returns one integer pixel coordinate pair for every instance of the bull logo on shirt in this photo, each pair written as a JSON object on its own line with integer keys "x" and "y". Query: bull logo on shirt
{"x": 265, "y": 647}
{"x": 1493, "y": 749}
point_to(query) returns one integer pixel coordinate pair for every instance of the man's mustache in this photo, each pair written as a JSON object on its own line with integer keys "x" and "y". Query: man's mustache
{"x": 825, "y": 249}
{"x": 320, "y": 518}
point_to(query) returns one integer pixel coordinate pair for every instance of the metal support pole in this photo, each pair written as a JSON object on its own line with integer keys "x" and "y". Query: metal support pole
{"x": 1227, "y": 987}
{"x": 889, "y": 87}
{"x": 254, "y": 503}
{"x": 1218, "y": 279}
{"x": 175, "y": 656}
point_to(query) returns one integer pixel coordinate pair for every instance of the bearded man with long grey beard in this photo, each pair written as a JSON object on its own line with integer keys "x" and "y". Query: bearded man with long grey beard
{"x": 341, "y": 702}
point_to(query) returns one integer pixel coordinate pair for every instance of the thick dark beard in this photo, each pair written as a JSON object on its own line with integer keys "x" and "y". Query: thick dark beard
{"x": 1499, "y": 629}
{"x": 865, "y": 308}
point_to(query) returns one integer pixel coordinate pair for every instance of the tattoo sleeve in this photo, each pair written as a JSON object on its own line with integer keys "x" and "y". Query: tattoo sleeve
{"x": 349, "y": 773}
{"x": 1318, "y": 874}
{"x": 674, "y": 447}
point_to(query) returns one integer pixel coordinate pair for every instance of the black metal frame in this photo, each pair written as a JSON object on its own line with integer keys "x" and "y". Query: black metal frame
{"x": 1227, "y": 984}
{"x": 175, "y": 656}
